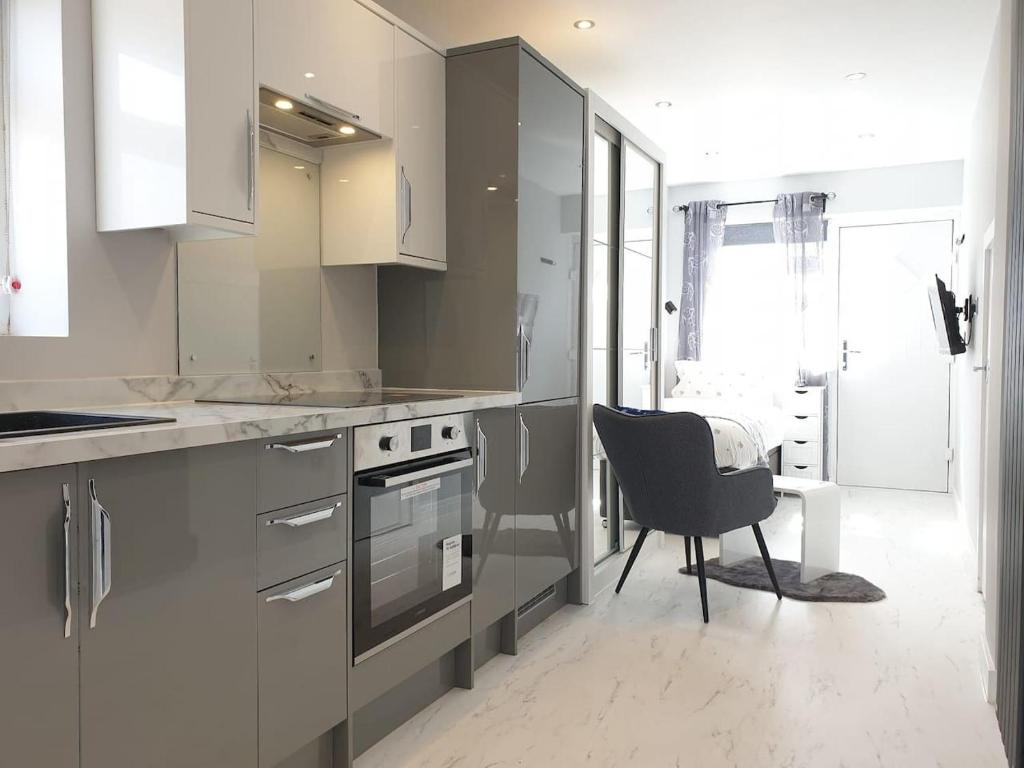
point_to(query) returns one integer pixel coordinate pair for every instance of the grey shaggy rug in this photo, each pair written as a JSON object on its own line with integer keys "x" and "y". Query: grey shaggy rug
{"x": 832, "y": 588}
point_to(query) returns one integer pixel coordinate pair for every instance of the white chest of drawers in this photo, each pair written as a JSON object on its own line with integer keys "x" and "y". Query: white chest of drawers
{"x": 802, "y": 454}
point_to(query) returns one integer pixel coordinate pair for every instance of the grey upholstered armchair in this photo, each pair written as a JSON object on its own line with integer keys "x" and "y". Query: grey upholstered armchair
{"x": 665, "y": 466}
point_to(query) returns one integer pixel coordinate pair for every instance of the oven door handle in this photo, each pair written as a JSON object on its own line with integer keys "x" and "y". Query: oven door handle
{"x": 390, "y": 481}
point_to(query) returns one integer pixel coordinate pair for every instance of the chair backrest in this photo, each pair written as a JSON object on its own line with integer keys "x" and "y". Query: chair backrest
{"x": 665, "y": 466}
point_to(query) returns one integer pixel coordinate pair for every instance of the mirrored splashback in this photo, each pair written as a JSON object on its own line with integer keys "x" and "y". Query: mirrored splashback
{"x": 252, "y": 304}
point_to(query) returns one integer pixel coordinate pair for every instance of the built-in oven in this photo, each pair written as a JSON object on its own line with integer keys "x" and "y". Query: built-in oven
{"x": 412, "y": 524}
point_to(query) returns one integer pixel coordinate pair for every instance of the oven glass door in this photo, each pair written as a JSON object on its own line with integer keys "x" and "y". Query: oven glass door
{"x": 412, "y": 540}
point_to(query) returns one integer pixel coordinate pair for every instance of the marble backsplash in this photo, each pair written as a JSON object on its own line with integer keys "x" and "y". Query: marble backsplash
{"x": 91, "y": 393}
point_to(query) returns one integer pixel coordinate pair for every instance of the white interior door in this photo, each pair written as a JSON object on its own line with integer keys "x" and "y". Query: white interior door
{"x": 893, "y": 395}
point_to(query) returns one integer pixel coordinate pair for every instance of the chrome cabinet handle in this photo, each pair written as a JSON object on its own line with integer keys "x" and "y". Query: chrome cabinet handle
{"x": 251, "y": 128}
{"x": 390, "y": 481}
{"x": 846, "y": 354}
{"x": 66, "y": 489}
{"x": 520, "y": 335}
{"x": 481, "y": 456}
{"x": 101, "y": 576}
{"x": 307, "y": 519}
{"x": 406, "y": 204}
{"x": 301, "y": 593}
{"x": 304, "y": 446}
{"x": 524, "y": 447}
{"x": 528, "y": 346}
{"x": 326, "y": 106}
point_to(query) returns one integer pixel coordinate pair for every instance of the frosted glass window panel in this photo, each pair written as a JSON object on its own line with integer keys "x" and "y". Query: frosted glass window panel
{"x": 253, "y": 304}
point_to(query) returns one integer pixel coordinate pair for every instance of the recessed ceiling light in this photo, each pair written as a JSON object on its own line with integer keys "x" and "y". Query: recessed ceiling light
{"x": 854, "y": 76}
{"x": 283, "y": 104}
{"x": 348, "y": 130}
{"x": 309, "y": 75}
{"x": 299, "y": 167}
{"x": 663, "y": 104}
{"x": 343, "y": 181}
{"x": 492, "y": 189}
{"x": 865, "y": 136}
{"x": 584, "y": 24}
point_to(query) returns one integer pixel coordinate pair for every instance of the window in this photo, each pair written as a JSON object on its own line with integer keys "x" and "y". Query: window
{"x": 33, "y": 232}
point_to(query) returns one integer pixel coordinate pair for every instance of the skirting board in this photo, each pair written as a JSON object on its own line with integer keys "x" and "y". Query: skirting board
{"x": 987, "y": 666}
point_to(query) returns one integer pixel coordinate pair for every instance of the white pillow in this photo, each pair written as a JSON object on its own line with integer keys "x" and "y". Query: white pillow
{"x": 698, "y": 379}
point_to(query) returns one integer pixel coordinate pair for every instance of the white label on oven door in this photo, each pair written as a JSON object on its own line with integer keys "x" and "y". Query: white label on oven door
{"x": 411, "y": 491}
{"x": 451, "y": 568}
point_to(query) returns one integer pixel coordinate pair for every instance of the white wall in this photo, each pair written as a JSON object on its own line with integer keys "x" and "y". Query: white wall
{"x": 984, "y": 207}
{"x": 905, "y": 187}
{"x": 121, "y": 286}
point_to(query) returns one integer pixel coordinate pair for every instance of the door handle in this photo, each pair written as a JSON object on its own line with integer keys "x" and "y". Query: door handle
{"x": 301, "y": 593}
{"x": 304, "y": 446}
{"x": 846, "y": 353}
{"x": 251, "y": 131}
{"x": 66, "y": 490}
{"x": 524, "y": 447}
{"x": 390, "y": 481}
{"x": 101, "y": 576}
{"x": 307, "y": 519}
{"x": 481, "y": 457}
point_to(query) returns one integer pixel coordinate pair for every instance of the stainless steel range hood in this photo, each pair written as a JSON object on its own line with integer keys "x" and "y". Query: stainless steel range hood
{"x": 310, "y": 121}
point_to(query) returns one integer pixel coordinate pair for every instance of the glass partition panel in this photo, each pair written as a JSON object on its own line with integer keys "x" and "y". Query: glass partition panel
{"x": 252, "y": 304}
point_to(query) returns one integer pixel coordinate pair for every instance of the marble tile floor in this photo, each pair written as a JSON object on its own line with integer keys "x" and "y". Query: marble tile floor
{"x": 638, "y": 680}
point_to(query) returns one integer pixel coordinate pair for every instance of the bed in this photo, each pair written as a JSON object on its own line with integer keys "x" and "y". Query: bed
{"x": 746, "y": 424}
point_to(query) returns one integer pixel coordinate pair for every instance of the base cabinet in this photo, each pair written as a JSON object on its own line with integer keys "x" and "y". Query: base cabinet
{"x": 547, "y": 520}
{"x": 38, "y": 629}
{"x": 494, "y": 521}
{"x": 168, "y": 638}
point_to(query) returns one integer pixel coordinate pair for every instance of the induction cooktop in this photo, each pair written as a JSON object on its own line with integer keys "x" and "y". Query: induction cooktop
{"x": 347, "y": 399}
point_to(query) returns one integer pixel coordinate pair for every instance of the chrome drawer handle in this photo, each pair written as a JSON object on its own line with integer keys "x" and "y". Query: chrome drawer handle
{"x": 101, "y": 578}
{"x": 317, "y": 444}
{"x": 312, "y": 517}
{"x": 66, "y": 489}
{"x": 307, "y": 591}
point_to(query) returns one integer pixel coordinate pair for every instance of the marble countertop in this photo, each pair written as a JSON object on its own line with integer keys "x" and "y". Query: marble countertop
{"x": 199, "y": 424}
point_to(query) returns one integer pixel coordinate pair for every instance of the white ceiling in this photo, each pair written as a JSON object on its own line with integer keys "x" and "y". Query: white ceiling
{"x": 757, "y": 86}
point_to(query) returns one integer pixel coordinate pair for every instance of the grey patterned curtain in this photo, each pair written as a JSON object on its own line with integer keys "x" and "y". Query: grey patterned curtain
{"x": 705, "y": 230}
{"x": 799, "y": 222}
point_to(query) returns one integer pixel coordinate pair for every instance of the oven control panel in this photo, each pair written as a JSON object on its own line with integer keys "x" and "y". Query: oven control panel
{"x": 380, "y": 445}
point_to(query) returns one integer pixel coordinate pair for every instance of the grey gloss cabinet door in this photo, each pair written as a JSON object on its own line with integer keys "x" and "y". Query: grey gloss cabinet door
{"x": 38, "y": 643}
{"x": 551, "y": 128}
{"x": 494, "y": 522}
{"x": 547, "y": 520}
{"x": 168, "y": 672}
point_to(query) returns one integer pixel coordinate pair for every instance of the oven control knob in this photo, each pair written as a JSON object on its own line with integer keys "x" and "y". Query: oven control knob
{"x": 450, "y": 433}
{"x": 389, "y": 443}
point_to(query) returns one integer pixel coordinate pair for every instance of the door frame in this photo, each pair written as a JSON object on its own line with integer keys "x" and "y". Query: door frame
{"x": 989, "y": 403}
{"x": 839, "y": 221}
{"x": 592, "y": 580}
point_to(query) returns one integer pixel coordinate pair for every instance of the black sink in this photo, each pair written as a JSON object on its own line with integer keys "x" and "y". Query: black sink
{"x": 27, "y": 423}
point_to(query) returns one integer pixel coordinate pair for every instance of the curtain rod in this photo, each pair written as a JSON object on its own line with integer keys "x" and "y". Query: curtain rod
{"x": 822, "y": 195}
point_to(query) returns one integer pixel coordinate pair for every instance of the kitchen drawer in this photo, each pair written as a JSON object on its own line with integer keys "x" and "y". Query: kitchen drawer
{"x": 297, "y": 540}
{"x": 301, "y": 468}
{"x": 801, "y": 452}
{"x": 803, "y": 428}
{"x": 303, "y": 662}
{"x": 803, "y": 402}
{"x": 810, "y": 472}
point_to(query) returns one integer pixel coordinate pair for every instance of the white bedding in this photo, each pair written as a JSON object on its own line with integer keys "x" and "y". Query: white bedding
{"x": 743, "y": 433}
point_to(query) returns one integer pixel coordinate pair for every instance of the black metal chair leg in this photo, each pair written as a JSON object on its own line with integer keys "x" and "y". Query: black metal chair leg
{"x": 699, "y": 544}
{"x": 689, "y": 562}
{"x": 767, "y": 559}
{"x": 632, "y": 557}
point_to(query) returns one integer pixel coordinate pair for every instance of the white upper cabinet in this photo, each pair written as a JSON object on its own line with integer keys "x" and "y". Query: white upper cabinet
{"x": 175, "y": 111}
{"x": 421, "y": 143}
{"x": 335, "y": 55}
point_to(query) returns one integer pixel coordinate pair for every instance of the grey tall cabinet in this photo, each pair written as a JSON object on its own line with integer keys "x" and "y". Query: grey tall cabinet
{"x": 506, "y": 314}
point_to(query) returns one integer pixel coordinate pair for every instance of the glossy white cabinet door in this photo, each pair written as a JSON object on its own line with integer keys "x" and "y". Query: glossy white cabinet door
{"x": 355, "y": 53}
{"x": 284, "y": 56}
{"x": 221, "y": 109}
{"x": 421, "y": 148}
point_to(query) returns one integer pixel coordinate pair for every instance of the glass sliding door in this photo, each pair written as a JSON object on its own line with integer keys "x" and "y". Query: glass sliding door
{"x": 604, "y": 314}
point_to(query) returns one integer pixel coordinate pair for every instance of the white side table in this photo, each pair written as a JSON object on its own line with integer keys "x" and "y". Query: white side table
{"x": 819, "y": 545}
